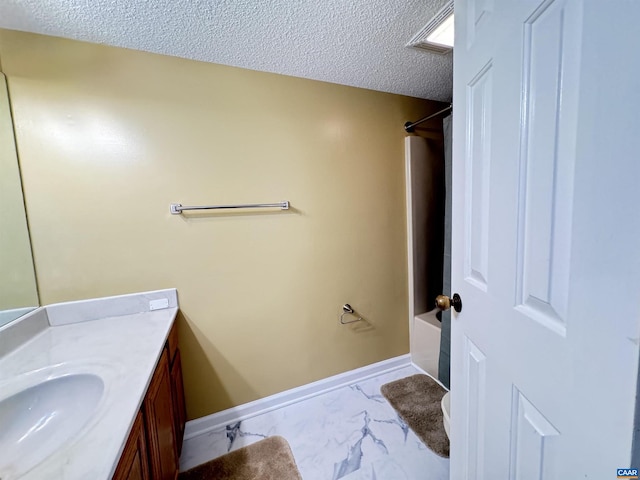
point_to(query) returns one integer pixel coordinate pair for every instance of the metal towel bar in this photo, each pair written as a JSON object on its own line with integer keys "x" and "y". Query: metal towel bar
{"x": 177, "y": 208}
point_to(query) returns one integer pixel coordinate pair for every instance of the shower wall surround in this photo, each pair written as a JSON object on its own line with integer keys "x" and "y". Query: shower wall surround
{"x": 424, "y": 164}
{"x": 109, "y": 137}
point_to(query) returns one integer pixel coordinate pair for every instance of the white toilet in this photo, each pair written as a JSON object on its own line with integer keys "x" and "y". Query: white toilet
{"x": 446, "y": 408}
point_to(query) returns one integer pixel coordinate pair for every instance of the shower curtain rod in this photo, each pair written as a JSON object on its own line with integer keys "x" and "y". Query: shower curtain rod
{"x": 408, "y": 127}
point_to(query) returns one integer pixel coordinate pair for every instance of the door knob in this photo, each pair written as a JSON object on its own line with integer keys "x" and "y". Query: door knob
{"x": 445, "y": 303}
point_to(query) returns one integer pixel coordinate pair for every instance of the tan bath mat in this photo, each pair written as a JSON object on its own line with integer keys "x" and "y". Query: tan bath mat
{"x": 417, "y": 400}
{"x": 268, "y": 459}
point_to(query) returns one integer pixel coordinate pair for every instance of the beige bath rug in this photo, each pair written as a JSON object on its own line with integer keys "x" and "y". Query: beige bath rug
{"x": 417, "y": 400}
{"x": 268, "y": 459}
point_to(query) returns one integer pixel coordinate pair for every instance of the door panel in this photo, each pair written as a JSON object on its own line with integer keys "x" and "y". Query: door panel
{"x": 478, "y": 177}
{"x": 546, "y": 164}
{"x": 533, "y": 445}
{"x": 179, "y": 405}
{"x": 475, "y": 408}
{"x": 160, "y": 425}
{"x": 133, "y": 464}
{"x": 477, "y": 18}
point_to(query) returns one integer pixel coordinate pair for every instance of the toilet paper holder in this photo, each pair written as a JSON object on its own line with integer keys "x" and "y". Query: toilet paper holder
{"x": 347, "y": 310}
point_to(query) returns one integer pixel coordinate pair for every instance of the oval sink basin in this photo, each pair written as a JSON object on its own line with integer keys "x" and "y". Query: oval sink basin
{"x": 37, "y": 421}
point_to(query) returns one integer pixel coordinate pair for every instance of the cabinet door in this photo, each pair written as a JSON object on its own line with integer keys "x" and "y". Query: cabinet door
{"x": 179, "y": 410}
{"x": 158, "y": 409}
{"x": 133, "y": 463}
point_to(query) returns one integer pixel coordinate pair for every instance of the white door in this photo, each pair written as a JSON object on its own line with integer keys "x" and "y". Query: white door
{"x": 546, "y": 238}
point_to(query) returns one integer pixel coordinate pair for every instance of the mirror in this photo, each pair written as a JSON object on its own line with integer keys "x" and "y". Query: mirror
{"x": 18, "y": 291}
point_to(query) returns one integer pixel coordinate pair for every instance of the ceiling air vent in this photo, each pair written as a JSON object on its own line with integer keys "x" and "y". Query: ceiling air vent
{"x": 437, "y": 35}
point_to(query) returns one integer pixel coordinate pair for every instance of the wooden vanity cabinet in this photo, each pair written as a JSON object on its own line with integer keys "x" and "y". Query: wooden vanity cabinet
{"x": 160, "y": 424}
{"x": 179, "y": 406}
{"x": 134, "y": 464}
{"x": 153, "y": 449}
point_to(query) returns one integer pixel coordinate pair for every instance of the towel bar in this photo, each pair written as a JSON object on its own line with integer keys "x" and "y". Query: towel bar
{"x": 178, "y": 208}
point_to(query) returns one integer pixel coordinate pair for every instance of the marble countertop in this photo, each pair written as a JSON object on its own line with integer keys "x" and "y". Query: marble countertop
{"x": 122, "y": 348}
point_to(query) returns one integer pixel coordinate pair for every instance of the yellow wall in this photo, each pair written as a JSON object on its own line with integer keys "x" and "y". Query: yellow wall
{"x": 108, "y": 138}
{"x": 17, "y": 280}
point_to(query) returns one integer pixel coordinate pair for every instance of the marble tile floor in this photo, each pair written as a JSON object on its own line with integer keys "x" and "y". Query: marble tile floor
{"x": 351, "y": 433}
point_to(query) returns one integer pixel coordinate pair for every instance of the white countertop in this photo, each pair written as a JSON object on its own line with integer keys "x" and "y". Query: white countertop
{"x": 121, "y": 349}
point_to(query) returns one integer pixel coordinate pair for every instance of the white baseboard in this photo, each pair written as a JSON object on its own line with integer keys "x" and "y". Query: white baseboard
{"x": 242, "y": 412}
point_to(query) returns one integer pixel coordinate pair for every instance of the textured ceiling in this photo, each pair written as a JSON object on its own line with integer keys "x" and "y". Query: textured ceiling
{"x": 350, "y": 42}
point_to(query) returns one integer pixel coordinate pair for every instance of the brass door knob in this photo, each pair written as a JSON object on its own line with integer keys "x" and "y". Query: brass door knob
{"x": 445, "y": 303}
